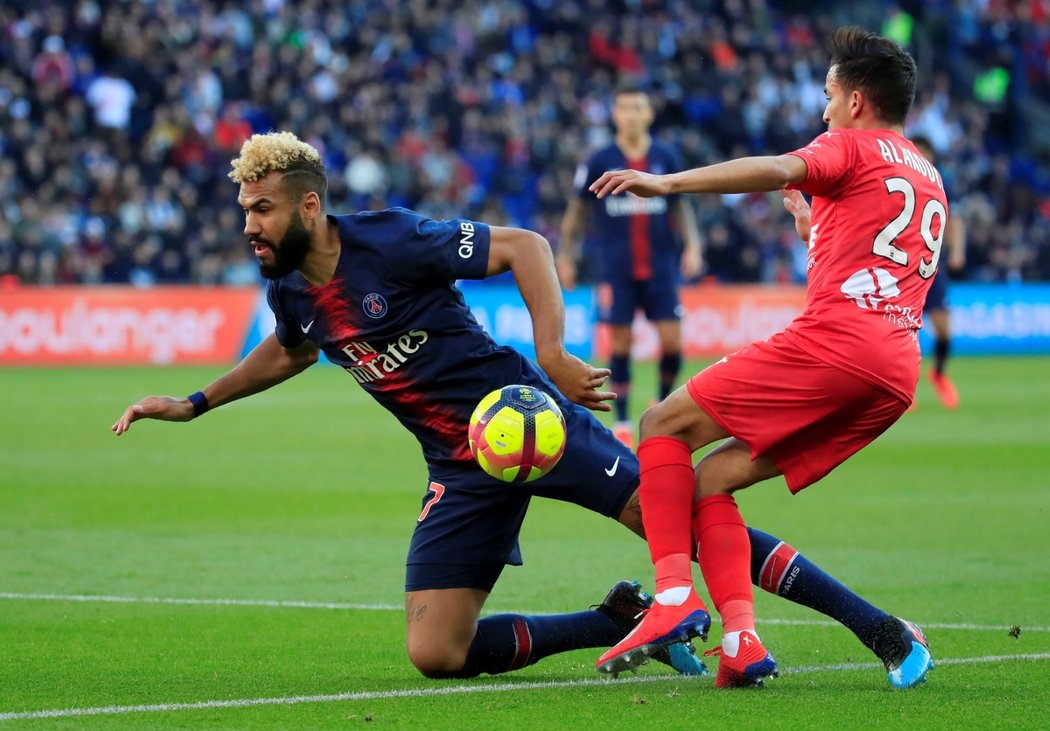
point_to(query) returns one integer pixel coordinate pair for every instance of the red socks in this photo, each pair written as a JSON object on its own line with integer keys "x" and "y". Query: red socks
{"x": 666, "y": 496}
{"x": 724, "y": 552}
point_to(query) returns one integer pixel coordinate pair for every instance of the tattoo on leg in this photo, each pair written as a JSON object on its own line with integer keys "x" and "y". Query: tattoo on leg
{"x": 632, "y": 515}
{"x": 414, "y": 612}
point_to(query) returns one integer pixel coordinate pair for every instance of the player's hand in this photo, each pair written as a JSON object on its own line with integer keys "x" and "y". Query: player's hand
{"x": 164, "y": 408}
{"x": 579, "y": 381}
{"x": 692, "y": 263}
{"x": 566, "y": 272}
{"x": 641, "y": 184}
{"x": 797, "y": 206}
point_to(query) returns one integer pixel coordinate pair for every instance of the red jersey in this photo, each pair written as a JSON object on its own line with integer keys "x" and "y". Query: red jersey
{"x": 877, "y": 225}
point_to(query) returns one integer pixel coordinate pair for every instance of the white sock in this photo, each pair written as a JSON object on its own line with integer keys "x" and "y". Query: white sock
{"x": 674, "y": 597}
{"x": 731, "y": 642}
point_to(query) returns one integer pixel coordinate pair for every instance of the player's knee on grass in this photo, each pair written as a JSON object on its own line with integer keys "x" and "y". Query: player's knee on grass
{"x": 437, "y": 659}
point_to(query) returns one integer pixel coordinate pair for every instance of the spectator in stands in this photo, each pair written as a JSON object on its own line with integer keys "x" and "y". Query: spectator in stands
{"x": 480, "y": 103}
{"x": 111, "y": 98}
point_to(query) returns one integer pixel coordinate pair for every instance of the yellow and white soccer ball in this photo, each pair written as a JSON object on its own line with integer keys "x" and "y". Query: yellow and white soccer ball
{"x": 517, "y": 433}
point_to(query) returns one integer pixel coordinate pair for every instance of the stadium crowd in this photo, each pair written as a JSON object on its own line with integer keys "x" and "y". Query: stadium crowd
{"x": 118, "y": 119}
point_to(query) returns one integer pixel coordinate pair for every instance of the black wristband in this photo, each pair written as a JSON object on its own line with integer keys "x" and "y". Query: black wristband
{"x": 200, "y": 403}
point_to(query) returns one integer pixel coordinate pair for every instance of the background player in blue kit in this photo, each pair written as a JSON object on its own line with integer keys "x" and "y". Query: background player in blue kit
{"x": 637, "y": 247}
{"x": 375, "y": 291}
{"x": 936, "y": 309}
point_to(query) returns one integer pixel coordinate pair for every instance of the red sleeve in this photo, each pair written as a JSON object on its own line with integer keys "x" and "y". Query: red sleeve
{"x": 830, "y": 158}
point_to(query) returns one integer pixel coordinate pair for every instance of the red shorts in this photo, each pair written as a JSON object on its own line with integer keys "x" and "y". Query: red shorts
{"x": 804, "y": 414}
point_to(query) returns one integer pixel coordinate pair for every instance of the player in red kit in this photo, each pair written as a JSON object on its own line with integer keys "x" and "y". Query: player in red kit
{"x": 806, "y": 399}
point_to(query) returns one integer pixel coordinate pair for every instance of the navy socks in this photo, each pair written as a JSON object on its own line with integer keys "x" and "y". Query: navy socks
{"x": 620, "y": 382}
{"x": 510, "y": 641}
{"x": 779, "y": 569}
{"x": 941, "y": 347}
{"x": 670, "y": 365}
{"x": 505, "y": 642}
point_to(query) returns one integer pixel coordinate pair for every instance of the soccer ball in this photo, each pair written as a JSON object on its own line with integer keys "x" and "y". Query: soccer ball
{"x": 517, "y": 434}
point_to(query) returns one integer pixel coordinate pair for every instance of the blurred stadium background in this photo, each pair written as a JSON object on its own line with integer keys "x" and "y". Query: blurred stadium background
{"x": 118, "y": 121}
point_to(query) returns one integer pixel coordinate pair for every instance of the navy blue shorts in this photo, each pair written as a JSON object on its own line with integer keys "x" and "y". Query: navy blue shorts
{"x": 656, "y": 296}
{"x": 469, "y": 522}
{"x": 937, "y": 296}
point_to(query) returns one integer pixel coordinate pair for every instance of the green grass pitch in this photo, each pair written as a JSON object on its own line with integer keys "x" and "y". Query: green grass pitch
{"x": 246, "y": 570}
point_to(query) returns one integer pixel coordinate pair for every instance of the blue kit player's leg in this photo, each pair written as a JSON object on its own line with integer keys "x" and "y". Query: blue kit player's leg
{"x": 467, "y": 531}
{"x": 510, "y": 641}
{"x": 936, "y": 312}
{"x": 618, "y": 315}
{"x": 779, "y": 569}
{"x": 662, "y": 308}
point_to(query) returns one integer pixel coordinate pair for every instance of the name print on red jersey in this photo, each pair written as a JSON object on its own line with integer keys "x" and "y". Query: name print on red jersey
{"x": 903, "y": 156}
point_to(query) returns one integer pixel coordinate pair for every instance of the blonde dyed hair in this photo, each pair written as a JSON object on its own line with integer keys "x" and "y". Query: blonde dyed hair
{"x": 282, "y": 152}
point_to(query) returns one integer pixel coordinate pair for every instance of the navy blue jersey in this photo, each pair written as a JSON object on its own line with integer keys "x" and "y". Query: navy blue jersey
{"x": 393, "y": 319}
{"x": 633, "y": 236}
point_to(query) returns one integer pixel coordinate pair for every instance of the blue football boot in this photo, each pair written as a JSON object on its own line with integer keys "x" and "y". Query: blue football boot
{"x": 903, "y": 648}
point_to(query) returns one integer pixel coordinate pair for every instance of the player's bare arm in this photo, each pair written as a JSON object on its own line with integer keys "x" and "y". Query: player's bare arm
{"x": 528, "y": 256}
{"x": 571, "y": 230}
{"x": 693, "y": 253}
{"x": 746, "y": 175}
{"x": 268, "y": 364}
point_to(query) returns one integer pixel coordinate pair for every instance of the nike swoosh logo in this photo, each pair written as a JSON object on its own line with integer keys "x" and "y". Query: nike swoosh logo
{"x": 306, "y": 328}
{"x": 612, "y": 470}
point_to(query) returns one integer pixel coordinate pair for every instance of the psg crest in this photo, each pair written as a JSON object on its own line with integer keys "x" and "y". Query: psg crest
{"x": 374, "y": 305}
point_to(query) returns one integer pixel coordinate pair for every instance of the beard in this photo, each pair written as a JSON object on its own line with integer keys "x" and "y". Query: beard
{"x": 290, "y": 253}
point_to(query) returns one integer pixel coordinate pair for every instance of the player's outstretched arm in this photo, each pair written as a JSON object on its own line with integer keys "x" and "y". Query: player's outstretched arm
{"x": 745, "y": 175}
{"x": 528, "y": 255}
{"x": 268, "y": 364}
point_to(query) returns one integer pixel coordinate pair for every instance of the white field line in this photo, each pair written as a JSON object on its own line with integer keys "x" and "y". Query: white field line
{"x": 287, "y": 603}
{"x": 293, "y": 604}
{"x": 451, "y": 690}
